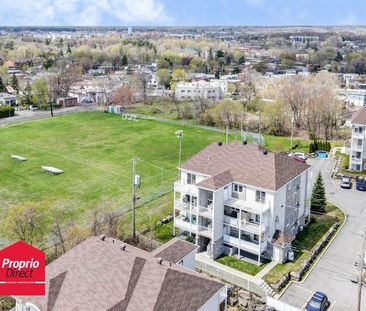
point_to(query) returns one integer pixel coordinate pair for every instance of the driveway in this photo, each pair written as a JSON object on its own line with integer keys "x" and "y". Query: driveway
{"x": 337, "y": 272}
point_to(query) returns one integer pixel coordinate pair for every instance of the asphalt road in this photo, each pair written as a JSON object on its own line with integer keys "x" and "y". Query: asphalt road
{"x": 338, "y": 268}
{"x": 27, "y": 115}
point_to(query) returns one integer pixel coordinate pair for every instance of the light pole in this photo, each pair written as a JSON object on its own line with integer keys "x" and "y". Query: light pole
{"x": 136, "y": 182}
{"x": 292, "y": 127}
{"x": 179, "y": 135}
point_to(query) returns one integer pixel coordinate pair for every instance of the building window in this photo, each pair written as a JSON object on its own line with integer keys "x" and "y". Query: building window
{"x": 182, "y": 91}
{"x": 255, "y": 237}
{"x": 191, "y": 179}
{"x": 260, "y": 196}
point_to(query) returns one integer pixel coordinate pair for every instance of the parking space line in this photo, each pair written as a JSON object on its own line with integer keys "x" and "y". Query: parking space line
{"x": 307, "y": 299}
{"x": 332, "y": 305}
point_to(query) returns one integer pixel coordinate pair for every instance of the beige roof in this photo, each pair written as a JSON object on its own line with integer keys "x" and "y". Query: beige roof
{"x": 97, "y": 275}
{"x": 282, "y": 238}
{"x": 174, "y": 250}
{"x": 248, "y": 164}
{"x": 359, "y": 116}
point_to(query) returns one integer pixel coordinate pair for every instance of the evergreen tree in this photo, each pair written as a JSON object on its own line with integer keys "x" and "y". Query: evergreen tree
{"x": 68, "y": 51}
{"x": 124, "y": 60}
{"x": 15, "y": 82}
{"x": 318, "y": 199}
{"x": 2, "y": 86}
{"x": 217, "y": 73}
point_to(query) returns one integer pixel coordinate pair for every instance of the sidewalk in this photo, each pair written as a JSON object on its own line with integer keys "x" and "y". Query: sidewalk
{"x": 266, "y": 269}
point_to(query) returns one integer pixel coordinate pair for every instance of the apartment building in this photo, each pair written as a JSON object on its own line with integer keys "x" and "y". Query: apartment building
{"x": 358, "y": 141}
{"x": 240, "y": 199}
{"x": 200, "y": 90}
{"x": 107, "y": 275}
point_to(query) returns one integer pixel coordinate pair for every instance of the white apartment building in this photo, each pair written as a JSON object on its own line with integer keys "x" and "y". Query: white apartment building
{"x": 240, "y": 199}
{"x": 358, "y": 141}
{"x": 353, "y": 97}
{"x": 200, "y": 90}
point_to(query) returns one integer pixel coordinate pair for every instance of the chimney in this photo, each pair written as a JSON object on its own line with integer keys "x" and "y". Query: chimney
{"x": 219, "y": 143}
{"x": 102, "y": 237}
{"x": 159, "y": 260}
{"x": 123, "y": 247}
{"x": 245, "y": 142}
{"x": 265, "y": 152}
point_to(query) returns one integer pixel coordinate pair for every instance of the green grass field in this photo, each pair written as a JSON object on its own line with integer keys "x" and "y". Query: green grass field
{"x": 95, "y": 151}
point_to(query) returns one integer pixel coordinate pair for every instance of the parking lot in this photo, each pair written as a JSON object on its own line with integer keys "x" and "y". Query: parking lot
{"x": 336, "y": 273}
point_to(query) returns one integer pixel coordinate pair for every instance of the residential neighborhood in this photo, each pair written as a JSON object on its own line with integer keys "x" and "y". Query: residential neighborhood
{"x": 152, "y": 161}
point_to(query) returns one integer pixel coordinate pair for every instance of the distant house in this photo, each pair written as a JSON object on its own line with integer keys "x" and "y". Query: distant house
{"x": 8, "y": 99}
{"x": 67, "y": 101}
{"x": 200, "y": 90}
{"x": 17, "y": 63}
{"x": 107, "y": 275}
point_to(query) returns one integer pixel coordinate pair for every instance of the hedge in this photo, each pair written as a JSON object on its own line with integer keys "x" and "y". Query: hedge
{"x": 4, "y": 111}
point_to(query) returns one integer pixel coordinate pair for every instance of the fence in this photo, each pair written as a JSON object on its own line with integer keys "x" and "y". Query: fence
{"x": 279, "y": 305}
{"x": 229, "y": 277}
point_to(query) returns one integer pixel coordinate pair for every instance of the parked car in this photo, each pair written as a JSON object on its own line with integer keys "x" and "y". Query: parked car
{"x": 298, "y": 159}
{"x": 33, "y": 108}
{"x": 346, "y": 183}
{"x": 299, "y": 155}
{"x": 318, "y": 302}
{"x": 361, "y": 184}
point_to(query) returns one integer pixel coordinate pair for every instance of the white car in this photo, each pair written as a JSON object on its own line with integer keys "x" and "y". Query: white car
{"x": 299, "y": 155}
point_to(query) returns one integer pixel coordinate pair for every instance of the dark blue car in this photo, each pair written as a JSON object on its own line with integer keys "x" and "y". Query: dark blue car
{"x": 361, "y": 184}
{"x": 319, "y": 302}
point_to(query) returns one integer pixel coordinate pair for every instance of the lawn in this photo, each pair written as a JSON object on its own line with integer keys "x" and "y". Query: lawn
{"x": 305, "y": 241}
{"x": 241, "y": 265}
{"x": 95, "y": 151}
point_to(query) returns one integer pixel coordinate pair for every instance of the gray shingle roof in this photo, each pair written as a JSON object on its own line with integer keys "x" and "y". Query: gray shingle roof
{"x": 360, "y": 116}
{"x": 99, "y": 276}
{"x": 174, "y": 250}
{"x": 249, "y": 164}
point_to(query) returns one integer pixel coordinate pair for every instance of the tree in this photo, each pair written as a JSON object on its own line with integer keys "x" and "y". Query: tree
{"x": 40, "y": 92}
{"x": 164, "y": 77}
{"x": 261, "y": 67}
{"x": 124, "y": 60}
{"x": 219, "y": 54}
{"x": 26, "y": 100}
{"x": 68, "y": 51}
{"x": 2, "y": 86}
{"x": 217, "y": 73}
{"x": 241, "y": 60}
{"x": 15, "y": 82}
{"x": 179, "y": 74}
{"x": 26, "y": 222}
{"x": 142, "y": 78}
{"x": 123, "y": 96}
{"x": 318, "y": 198}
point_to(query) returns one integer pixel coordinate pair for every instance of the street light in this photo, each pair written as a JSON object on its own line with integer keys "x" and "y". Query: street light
{"x": 179, "y": 135}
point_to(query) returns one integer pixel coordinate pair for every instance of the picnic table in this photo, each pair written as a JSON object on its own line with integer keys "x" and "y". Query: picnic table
{"x": 18, "y": 158}
{"x": 51, "y": 170}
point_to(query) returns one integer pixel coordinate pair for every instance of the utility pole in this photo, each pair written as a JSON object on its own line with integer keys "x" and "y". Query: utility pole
{"x": 133, "y": 199}
{"x": 361, "y": 270}
{"x": 292, "y": 127}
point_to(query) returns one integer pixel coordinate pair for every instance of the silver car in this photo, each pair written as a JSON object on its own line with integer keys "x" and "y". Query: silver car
{"x": 346, "y": 183}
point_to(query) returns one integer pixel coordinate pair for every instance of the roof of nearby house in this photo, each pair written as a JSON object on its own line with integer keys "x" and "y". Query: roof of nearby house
{"x": 174, "y": 250}
{"x": 282, "y": 238}
{"x": 360, "y": 116}
{"x": 98, "y": 275}
{"x": 249, "y": 164}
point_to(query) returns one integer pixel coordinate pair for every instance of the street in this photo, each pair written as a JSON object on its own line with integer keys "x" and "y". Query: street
{"x": 336, "y": 273}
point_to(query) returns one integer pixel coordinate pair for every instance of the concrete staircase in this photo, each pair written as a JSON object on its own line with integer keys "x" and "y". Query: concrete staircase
{"x": 269, "y": 291}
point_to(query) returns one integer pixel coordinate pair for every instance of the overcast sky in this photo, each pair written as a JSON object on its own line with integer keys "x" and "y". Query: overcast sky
{"x": 182, "y": 12}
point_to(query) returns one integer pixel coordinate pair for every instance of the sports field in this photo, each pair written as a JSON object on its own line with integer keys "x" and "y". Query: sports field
{"x": 95, "y": 151}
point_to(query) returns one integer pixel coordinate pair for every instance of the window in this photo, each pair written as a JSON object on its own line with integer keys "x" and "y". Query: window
{"x": 260, "y": 196}
{"x": 191, "y": 179}
{"x": 255, "y": 237}
{"x": 257, "y": 218}
{"x": 182, "y": 91}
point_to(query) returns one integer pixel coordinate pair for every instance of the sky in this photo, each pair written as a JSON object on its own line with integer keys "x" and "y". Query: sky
{"x": 181, "y": 12}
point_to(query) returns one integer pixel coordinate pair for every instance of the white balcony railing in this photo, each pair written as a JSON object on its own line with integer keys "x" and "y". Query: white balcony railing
{"x": 205, "y": 231}
{"x": 205, "y": 212}
{"x": 185, "y": 188}
{"x": 253, "y": 227}
{"x": 231, "y": 221}
{"x": 358, "y": 134}
{"x": 246, "y": 245}
{"x": 187, "y": 207}
{"x": 182, "y": 223}
{"x": 254, "y": 207}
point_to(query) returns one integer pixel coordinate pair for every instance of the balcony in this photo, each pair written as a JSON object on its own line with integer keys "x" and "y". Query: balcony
{"x": 356, "y": 159}
{"x": 184, "y": 223}
{"x": 205, "y": 212}
{"x": 253, "y": 227}
{"x": 358, "y": 134}
{"x": 231, "y": 221}
{"x": 253, "y": 207}
{"x": 251, "y": 247}
{"x": 356, "y": 147}
{"x": 186, "y": 207}
{"x": 205, "y": 231}
{"x": 184, "y": 188}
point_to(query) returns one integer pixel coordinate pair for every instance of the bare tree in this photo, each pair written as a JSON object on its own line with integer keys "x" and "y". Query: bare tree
{"x": 123, "y": 96}
{"x": 142, "y": 79}
{"x": 110, "y": 219}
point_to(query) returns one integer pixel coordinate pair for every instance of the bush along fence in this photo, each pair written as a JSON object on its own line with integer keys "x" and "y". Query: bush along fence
{"x": 6, "y": 111}
{"x": 305, "y": 266}
{"x": 319, "y": 145}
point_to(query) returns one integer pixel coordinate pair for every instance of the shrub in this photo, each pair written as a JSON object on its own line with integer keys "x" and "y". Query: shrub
{"x": 4, "y": 111}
